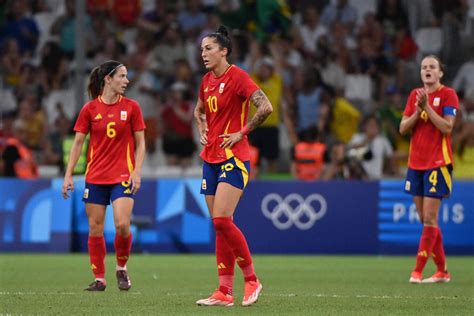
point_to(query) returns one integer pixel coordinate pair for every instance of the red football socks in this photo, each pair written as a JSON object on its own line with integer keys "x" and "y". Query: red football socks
{"x": 438, "y": 253}
{"x": 97, "y": 253}
{"x": 235, "y": 239}
{"x": 427, "y": 242}
{"x": 123, "y": 246}
{"x": 225, "y": 265}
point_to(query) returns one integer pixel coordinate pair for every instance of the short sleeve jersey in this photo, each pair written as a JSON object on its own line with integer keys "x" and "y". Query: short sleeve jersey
{"x": 111, "y": 154}
{"x": 429, "y": 148}
{"x": 226, "y": 100}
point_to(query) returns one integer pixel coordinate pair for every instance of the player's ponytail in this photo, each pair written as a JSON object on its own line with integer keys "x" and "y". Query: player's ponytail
{"x": 96, "y": 78}
{"x": 94, "y": 88}
{"x": 222, "y": 38}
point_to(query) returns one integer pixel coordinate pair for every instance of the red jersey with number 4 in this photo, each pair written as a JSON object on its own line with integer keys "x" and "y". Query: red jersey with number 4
{"x": 111, "y": 155}
{"x": 429, "y": 148}
{"x": 226, "y": 100}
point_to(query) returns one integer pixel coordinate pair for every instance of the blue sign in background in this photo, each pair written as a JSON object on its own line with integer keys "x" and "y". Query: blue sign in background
{"x": 34, "y": 216}
{"x": 348, "y": 225}
{"x": 400, "y": 228}
{"x": 335, "y": 217}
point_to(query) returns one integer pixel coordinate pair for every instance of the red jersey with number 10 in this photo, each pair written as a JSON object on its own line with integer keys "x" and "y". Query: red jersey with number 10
{"x": 111, "y": 154}
{"x": 429, "y": 148}
{"x": 226, "y": 100}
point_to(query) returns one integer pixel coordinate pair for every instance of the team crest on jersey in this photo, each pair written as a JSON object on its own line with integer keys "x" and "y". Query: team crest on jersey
{"x": 221, "y": 87}
{"x": 123, "y": 115}
{"x": 86, "y": 193}
{"x": 407, "y": 186}
{"x": 436, "y": 101}
{"x": 204, "y": 184}
{"x": 98, "y": 117}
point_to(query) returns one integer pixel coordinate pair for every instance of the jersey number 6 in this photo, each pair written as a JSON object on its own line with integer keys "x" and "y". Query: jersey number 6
{"x": 111, "y": 132}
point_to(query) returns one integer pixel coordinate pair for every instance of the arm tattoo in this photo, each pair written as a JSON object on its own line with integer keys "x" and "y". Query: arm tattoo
{"x": 264, "y": 109}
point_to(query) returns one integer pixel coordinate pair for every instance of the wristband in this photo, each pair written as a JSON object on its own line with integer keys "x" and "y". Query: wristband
{"x": 245, "y": 130}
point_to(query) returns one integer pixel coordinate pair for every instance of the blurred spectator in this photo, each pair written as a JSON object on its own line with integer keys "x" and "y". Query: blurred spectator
{"x": 20, "y": 26}
{"x": 144, "y": 88}
{"x": 463, "y": 139}
{"x": 110, "y": 49}
{"x": 54, "y": 66}
{"x": 311, "y": 30}
{"x": 404, "y": 52}
{"x": 177, "y": 116}
{"x": 254, "y": 161}
{"x": 28, "y": 84}
{"x": 167, "y": 51}
{"x": 266, "y": 137}
{"x": 273, "y": 19}
{"x": 157, "y": 20}
{"x": 125, "y": 12}
{"x": 11, "y": 63}
{"x": 17, "y": 159}
{"x": 308, "y": 156}
{"x": 372, "y": 147}
{"x": 192, "y": 19}
{"x": 52, "y": 146}
{"x": 341, "y": 167}
{"x": 391, "y": 14}
{"x": 341, "y": 11}
{"x": 344, "y": 118}
{"x": 65, "y": 27}
{"x": 463, "y": 83}
{"x": 33, "y": 122}
{"x": 390, "y": 114}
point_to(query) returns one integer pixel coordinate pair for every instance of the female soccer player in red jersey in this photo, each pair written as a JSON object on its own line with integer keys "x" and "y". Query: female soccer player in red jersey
{"x": 114, "y": 162}
{"x": 429, "y": 114}
{"x": 221, "y": 114}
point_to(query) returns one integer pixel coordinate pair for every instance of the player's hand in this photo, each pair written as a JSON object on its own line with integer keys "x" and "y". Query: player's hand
{"x": 203, "y": 138}
{"x": 136, "y": 182}
{"x": 68, "y": 185}
{"x": 421, "y": 99}
{"x": 230, "y": 139}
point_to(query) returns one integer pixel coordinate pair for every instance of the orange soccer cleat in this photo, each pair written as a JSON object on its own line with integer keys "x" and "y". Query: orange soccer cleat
{"x": 438, "y": 277}
{"x": 251, "y": 292}
{"x": 217, "y": 299}
{"x": 415, "y": 277}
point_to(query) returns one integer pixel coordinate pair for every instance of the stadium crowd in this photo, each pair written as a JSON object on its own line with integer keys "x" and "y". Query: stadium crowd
{"x": 336, "y": 72}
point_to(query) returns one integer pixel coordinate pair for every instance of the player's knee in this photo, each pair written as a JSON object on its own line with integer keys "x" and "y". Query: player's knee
{"x": 221, "y": 223}
{"x": 122, "y": 228}
{"x": 96, "y": 228}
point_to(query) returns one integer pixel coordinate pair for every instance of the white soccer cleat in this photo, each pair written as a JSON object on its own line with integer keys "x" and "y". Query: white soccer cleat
{"x": 217, "y": 299}
{"x": 438, "y": 277}
{"x": 251, "y": 292}
{"x": 415, "y": 278}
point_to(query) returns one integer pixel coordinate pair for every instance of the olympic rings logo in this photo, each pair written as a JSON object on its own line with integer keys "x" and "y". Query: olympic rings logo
{"x": 294, "y": 210}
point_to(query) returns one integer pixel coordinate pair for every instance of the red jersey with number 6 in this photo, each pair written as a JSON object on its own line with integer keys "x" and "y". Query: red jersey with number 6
{"x": 429, "y": 148}
{"x": 226, "y": 99}
{"x": 111, "y": 154}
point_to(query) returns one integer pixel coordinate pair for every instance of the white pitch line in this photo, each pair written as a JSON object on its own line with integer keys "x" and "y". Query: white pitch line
{"x": 395, "y": 297}
{"x": 53, "y": 293}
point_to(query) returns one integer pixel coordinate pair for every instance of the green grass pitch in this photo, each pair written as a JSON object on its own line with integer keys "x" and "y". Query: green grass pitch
{"x": 292, "y": 285}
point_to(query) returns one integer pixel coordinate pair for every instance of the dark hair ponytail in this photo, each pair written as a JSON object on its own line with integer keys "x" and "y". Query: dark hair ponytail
{"x": 222, "y": 38}
{"x": 96, "y": 78}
